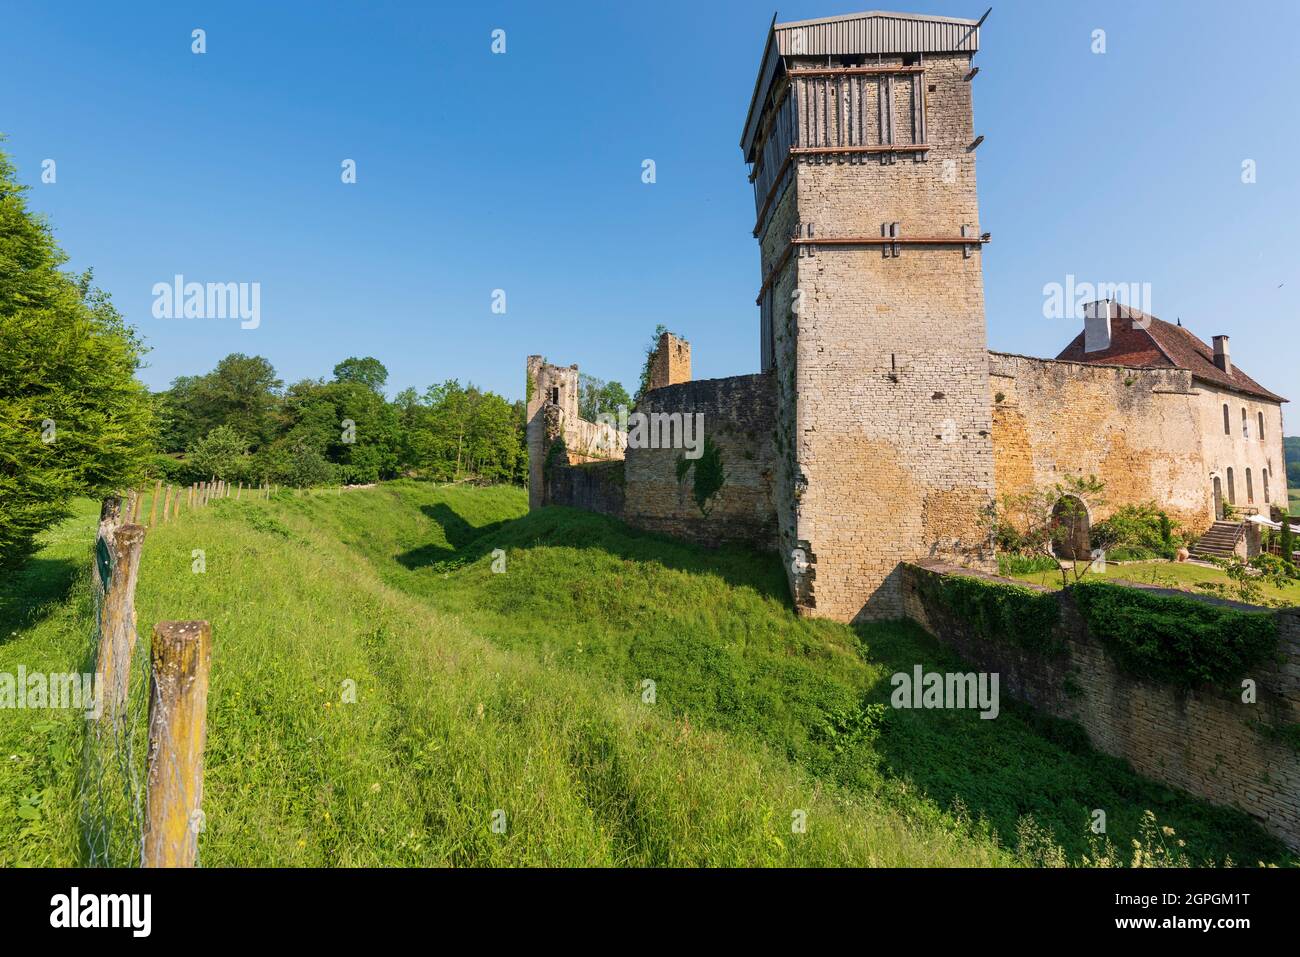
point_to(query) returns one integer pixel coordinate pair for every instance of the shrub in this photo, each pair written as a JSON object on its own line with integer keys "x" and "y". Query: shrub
{"x": 222, "y": 454}
{"x": 1133, "y": 553}
{"x": 1001, "y": 611}
{"x": 1177, "y": 640}
{"x": 1025, "y": 564}
{"x": 1143, "y": 527}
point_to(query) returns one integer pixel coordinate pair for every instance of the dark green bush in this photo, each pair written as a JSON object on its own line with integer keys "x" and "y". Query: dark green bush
{"x": 1000, "y": 611}
{"x": 1143, "y": 527}
{"x": 1167, "y": 638}
{"x": 1026, "y": 564}
{"x": 1132, "y": 553}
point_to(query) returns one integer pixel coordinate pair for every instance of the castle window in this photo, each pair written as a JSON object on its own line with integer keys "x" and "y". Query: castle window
{"x": 1232, "y": 487}
{"x": 1250, "y": 489}
{"x": 1245, "y": 429}
{"x": 1261, "y": 426}
{"x": 1227, "y": 422}
{"x": 1264, "y": 474}
{"x": 555, "y": 394}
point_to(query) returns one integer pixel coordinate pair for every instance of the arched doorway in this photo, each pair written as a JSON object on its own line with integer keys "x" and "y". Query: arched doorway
{"x": 1071, "y": 529}
{"x": 1218, "y": 499}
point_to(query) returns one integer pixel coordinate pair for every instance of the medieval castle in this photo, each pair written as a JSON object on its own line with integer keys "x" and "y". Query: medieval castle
{"x": 880, "y": 426}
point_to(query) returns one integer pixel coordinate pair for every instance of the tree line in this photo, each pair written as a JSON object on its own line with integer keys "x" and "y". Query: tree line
{"x": 75, "y": 420}
{"x": 240, "y": 423}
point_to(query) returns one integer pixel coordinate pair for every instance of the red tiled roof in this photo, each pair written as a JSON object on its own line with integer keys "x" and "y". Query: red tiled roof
{"x": 1137, "y": 339}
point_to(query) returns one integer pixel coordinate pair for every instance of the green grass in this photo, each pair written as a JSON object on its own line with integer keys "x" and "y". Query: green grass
{"x": 1294, "y": 495}
{"x": 523, "y": 691}
{"x": 1181, "y": 575}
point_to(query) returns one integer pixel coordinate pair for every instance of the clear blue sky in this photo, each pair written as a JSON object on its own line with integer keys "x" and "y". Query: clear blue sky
{"x": 523, "y": 172}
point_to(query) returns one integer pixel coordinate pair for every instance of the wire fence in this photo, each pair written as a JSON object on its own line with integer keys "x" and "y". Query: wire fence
{"x": 141, "y": 781}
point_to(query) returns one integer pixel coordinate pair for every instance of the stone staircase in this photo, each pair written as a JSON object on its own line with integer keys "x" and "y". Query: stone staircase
{"x": 1219, "y": 541}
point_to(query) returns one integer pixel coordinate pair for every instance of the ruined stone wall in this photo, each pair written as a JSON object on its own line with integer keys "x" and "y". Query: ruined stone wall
{"x": 551, "y": 414}
{"x": 1138, "y": 430}
{"x": 594, "y": 486}
{"x": 1205, "y": 741}
{"x": 671, "y": 362}
{"x": 892, "y": 435}
{"x": 739, "y": 418}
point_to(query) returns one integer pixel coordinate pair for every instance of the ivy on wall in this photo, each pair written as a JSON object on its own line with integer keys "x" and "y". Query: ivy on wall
{"x": 999, "y": 611}
{"x": 1180, "y": 641}
{"x": 710, "y": 476}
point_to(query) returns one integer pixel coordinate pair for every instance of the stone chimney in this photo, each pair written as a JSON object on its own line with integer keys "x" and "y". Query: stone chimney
{"x": 1222, "y": 358}
{"x": 671, "y": 363}
{"x": 1096, "y": 325}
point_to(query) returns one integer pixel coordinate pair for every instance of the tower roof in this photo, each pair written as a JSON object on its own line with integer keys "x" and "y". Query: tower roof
{"x": 874, "y": 31}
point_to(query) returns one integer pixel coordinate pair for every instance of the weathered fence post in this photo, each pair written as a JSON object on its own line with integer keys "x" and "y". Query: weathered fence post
{"x": 167, "y": 504}
{"x": 117, "y": 635}
{"x": 178, "y": 728}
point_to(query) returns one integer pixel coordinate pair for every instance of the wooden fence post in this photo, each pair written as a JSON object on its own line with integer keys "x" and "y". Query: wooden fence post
{"x": 167, "y": 504}
{"x": 178, "y": 728}
{"x": 117, "y": 635}
{"x": 153, "y": 502}
{"x": 110, "y": 517}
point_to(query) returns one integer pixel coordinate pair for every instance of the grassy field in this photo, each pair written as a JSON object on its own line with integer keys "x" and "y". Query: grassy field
{"x": 524, "y": 693}
{"x": 1182, "y": 575}
{"x": 1294, "y": 495}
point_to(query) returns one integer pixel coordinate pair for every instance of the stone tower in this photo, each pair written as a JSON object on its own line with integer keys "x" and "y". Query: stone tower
{"x": 553, "y": 388}
{"x": 861, "y": 141}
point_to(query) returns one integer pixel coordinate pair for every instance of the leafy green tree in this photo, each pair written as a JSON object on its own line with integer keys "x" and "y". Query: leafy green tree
{"x": 370, "y": 372}
{"x": 220, "y": 454}
{"x": 241, "y": 392}
{"x": 74, "y": 420}
{"x": 596, "y": 396}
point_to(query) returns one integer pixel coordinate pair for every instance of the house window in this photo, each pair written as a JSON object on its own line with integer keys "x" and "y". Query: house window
{"x": 1250, "y": 489}
{"x": 1227, "y": 423}
{"x": 1261, "y": 426}
{"x": 1232, "y": 487}
{"x": 1264, "y": 474}
{"x": 1245, "y": 429}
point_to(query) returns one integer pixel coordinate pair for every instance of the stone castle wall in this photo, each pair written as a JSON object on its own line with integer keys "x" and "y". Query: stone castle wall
{"x": 1205, "y": 741}
{"x": 738, "y": 418}
{"x": 1138, "y": 430}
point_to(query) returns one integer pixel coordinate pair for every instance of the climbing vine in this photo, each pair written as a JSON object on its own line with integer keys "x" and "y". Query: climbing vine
{"x": 999, "y": 611}
{"x": 710, "y": 475}
{"x": 1177, "y": 640}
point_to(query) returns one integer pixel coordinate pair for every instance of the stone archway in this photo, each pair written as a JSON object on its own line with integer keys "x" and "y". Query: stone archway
{"x": 1071, "y": 529}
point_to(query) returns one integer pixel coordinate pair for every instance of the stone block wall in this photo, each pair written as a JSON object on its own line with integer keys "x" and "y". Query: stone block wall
{"x": 671, "y": 362}
{"x": 594, "y": 486}
{"x": 1205, "y": 741}
{"x": 1138, "y": 430}
{"x": 739, "y": 418}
